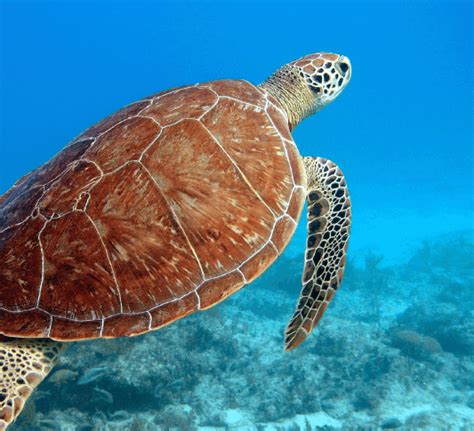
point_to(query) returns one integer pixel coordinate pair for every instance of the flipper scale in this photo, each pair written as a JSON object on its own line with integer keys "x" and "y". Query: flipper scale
{"x": 329, "y": 219}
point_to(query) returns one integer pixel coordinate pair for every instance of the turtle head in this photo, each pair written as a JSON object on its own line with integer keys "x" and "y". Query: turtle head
{"x": 308, "y": 84}
{"x": 325, "y": 75}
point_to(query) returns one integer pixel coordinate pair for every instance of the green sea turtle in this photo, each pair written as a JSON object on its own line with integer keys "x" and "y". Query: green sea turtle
{"x": 165, "y": 208}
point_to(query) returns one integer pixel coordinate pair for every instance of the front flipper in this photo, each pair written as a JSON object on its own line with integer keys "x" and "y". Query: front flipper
{"x": 329, "y": 220}
{"x": 24, "y": 363}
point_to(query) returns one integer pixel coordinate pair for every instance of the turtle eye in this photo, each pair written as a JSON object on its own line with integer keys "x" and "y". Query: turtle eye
{"x": 344, "y": 67}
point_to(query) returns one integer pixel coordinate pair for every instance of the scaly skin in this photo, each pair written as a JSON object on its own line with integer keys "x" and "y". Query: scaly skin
{"x": 304, "y": 87}
{"x": 329, "y": 221}
{"x": 23, "y": 366}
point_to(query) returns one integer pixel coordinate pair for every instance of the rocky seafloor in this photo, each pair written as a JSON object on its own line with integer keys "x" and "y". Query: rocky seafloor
{"x": 394, "y": 351}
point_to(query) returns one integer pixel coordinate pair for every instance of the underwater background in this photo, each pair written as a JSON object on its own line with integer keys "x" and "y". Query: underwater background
{"x": 395, "y": 349}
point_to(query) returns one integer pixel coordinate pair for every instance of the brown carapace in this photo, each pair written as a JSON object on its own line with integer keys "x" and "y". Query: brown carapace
{"x": 165, "y": 208}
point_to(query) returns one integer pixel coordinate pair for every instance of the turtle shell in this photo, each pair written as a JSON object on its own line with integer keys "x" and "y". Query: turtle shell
{"x": 164, "y": 208}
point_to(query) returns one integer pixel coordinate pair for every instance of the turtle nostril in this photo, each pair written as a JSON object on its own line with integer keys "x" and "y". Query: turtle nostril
{"x": 344, "y": 67}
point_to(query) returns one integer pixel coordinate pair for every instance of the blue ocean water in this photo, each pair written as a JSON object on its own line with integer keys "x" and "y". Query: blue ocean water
{"x": 395, "y": 348}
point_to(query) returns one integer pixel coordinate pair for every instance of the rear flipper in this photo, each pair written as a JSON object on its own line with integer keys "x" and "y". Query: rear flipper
{"x": 329, "y": 220}
{"x": 24, "y": 363}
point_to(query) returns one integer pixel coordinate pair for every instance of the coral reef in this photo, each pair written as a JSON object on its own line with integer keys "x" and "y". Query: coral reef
{"x": 415, "y": 345}
{"x": 394, "y": 351}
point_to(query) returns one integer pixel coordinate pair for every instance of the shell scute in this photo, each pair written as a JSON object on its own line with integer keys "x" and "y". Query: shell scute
{"x": 279, "y": 119}
{"x": 223, "y": 217}
{"x": 66, "y": 329}
{"x": 64, "y": 194}
{"x": 78, "y": 282}
{"x": 191, "y": 102}
{"x": 282, "y": 232}
{"x": 172, "y": 311}
{"x": 126, "y": 325}
{"x": 216, "y": 290}
{"x": 149, "y": 253}
{"x": 134, "y": 135}
{"x": 240, "y": 90}
{"x": 296, "y": 165}
{"x": 33, "y": 323}
{"x": 262, "y": 260}
{"x": 20, "y": 274}
{"x": 255, "y": 146}
{"x": 21, "y": 200}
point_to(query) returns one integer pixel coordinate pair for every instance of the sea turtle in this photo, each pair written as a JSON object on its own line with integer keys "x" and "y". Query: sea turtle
{"x": 165, "y": 208}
